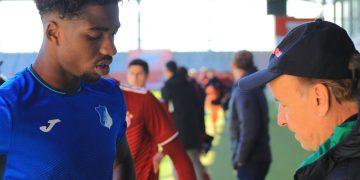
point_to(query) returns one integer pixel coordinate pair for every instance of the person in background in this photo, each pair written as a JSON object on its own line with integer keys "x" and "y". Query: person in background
{"x": 215, "y": 84}
{"x": 150, "y": 126}
{"x": 202, "y": 76}
{"x": 214, "y": 93}
{"x": 200, "y": 95}
{"x": 206, "y": 140}
{"x": 249, "y": 124}
{"x": 180, "y": 96}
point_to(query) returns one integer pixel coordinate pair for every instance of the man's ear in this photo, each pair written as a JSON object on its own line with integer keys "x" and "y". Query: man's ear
{"x": 52, "y": 32}
{"x": 322, "y": 99}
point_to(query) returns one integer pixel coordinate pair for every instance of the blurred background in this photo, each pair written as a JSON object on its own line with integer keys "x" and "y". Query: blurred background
{"x": 199, "y": 35}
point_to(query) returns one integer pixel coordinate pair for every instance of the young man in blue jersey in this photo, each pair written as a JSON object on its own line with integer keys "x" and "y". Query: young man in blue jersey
{"x": 58, "y": 118}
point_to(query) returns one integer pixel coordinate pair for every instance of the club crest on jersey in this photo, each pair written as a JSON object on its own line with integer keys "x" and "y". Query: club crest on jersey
{"x": 105, "y": 118}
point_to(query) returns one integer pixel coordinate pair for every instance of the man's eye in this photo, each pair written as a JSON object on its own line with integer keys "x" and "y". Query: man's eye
{"x": 93, "y": 38}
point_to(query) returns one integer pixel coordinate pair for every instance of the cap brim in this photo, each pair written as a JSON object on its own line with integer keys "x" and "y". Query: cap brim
{"x": 257, "y": 79}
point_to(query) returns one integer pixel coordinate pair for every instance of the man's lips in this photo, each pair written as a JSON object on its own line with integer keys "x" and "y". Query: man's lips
{"x": 103, "y": 67}
{"x": 103, "y": 70}
{"x": 105, "y": 62}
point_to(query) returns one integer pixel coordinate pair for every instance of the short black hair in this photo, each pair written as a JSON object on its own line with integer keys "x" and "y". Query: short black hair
{"x": 183, "y": 71}
{"x": 140, "y": 62}
{"x": 171, "y": 66}
{"x": 67, "y": 8}
{"x": 244, "y": 60}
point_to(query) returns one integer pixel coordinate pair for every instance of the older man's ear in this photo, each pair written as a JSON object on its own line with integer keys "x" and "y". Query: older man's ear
{"x": 321, "y": 98}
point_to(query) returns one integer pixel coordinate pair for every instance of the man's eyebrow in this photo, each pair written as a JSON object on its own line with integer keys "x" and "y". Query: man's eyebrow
{"x": 103, "y": 29}
{"x": 99, "y": 28}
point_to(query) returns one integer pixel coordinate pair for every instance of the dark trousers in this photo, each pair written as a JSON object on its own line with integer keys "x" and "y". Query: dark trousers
{"x": 253, "y": 171}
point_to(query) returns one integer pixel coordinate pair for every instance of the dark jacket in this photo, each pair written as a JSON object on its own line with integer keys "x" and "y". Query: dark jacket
{"x": 180, "y": 95}
{"x": 200, "y": 94}
{"x": 248, "y": 113}
{"x": 342, "y": 162}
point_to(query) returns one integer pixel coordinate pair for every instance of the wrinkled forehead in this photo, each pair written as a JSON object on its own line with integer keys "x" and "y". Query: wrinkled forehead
{"x": 284, "y": 85}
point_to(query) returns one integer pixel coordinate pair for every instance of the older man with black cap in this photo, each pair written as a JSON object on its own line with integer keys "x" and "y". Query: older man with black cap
{"x": 313, "y": 74}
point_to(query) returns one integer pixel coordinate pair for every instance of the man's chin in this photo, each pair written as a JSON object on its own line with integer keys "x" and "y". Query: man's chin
{"x": 307, "y": 147}
{"x": 91, "y": 78}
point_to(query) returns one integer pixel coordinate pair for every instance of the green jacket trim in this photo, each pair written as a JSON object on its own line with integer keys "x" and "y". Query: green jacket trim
{"x": 339, "y": 133}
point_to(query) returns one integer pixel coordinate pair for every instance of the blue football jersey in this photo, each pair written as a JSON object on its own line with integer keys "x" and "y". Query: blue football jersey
{"x": 48, "y": 134}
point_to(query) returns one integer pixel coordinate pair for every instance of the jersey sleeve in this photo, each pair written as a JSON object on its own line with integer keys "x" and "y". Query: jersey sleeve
{"x": 158, "y": 121}
{"x": 5, "y": 126}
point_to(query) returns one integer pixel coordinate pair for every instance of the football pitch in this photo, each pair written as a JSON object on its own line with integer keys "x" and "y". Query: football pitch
{"x": 286, "y": 151}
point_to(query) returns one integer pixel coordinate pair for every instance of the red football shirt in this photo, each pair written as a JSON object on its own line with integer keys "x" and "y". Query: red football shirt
{"x": 149, "y": 125}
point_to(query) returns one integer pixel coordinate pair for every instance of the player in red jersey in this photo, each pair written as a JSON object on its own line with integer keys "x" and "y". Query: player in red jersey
{"x": 150, "y": 125}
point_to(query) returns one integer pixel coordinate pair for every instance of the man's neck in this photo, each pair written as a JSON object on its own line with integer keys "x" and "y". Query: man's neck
{"x": 238, "y": 74}
{"x": 338, "y": 115}
{"x": 171, "y": 75}
{"x": 345, "y": 110}
{"x": 50, "y": 71}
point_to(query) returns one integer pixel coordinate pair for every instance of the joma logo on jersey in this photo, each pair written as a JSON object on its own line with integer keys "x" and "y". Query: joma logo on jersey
{"x": 105, "y": 118}
{"x": 48, "y": 128}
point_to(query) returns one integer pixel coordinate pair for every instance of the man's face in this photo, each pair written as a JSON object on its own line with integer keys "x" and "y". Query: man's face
{"x": 237, "y": 72}
{"x": 86, "y": 43}
{"x": 136, "y": 76}
{"x": 296, "y": 110}
{"x": 167, "y": 73}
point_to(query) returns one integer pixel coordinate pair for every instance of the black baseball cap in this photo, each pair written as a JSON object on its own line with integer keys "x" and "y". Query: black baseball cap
{"x": 319, "y": 49}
